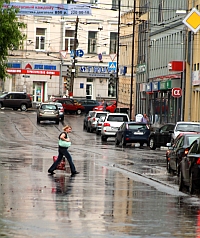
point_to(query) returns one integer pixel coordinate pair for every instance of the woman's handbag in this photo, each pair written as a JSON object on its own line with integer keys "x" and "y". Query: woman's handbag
{"x": 61, "y": 166}
{"x": 64, "y": 143}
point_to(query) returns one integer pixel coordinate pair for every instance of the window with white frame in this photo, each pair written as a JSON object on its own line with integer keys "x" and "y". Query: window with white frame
{"x": 40, "y": 38}
{"x": 113, "y": 42}
{"x": 43, "y": 1}
{"x": 92, "y": 42}
{"x": 69, "y": 40}
{"x": 71, "y": 1}
{"x": 114, "y": 4}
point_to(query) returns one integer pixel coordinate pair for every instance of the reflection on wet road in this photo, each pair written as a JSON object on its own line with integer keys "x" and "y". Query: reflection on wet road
{"x": 104, "y": 200}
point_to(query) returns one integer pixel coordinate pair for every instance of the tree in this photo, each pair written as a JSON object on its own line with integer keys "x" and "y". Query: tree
{"x": 11, "y": 36}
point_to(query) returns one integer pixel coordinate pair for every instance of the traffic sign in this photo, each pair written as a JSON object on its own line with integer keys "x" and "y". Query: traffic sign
{"x": 79, "y": 53}
{"x": 112, "y": 65}
{"x": 63, "y": 53}
{"x": 192, "y": 20}
{"x": 176, "y": 92}
{"x": 112, "y": 56}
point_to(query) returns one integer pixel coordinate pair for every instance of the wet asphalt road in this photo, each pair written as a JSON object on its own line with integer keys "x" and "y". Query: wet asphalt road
{"x": 120, "y": 192}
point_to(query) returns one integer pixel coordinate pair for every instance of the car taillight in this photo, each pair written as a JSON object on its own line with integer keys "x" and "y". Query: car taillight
{"x": 186, "y": 151}
{"x": 29, "y": 96}
{"x": 93, "y": 119}
{"x": 106, "y": 124}
{"x": 198, "y": 161}
{"x": 89, "y": 118}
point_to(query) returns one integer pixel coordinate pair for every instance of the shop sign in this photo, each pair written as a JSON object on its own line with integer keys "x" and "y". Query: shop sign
{"x": 141, "y": 68}
{"x": 149, "y": 87}
{"x": 32, "y": 71}
{"x": 143, "y": 87}
{"x": 155, "y": 86}
{"x": 176, "y": 92}
{"x": 176, "y": 66}
{"x": 164, "y": 85}
{"x": 196, "y": 77}
{"x": 95, "y": 71}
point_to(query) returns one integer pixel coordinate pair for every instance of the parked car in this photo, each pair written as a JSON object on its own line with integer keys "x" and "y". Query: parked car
{"x": 89, "y": 104}
{"x": 70, "y": 106}
{"x": 182, "y": 126}
{"x": 111, "y": 124}
{"x": 85, "y": 120}
{"x": 16, "y": 100}
{"x": 48, "y": 111}
{"x": 179, "y": 149}
{"x": 100, "y": 122}
{"x": 61, "y": 110}
{"x": 189, "y": 174}
{"x": 111, "y": 106}
{"x": 92, "y": 122}
{"x": 161, "y": 136}
{"x": 132, "y": 132}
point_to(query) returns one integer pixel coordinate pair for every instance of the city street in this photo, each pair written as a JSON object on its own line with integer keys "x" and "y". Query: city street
{"x": 120, "y": 192}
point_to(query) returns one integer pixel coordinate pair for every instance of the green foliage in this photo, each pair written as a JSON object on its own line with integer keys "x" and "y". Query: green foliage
{"x": 11, "y": 36}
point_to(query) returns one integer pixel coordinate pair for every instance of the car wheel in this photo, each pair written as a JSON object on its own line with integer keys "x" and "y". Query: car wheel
{"x": 23, "y": 107}
{"x": 180, "y": 181}
{"x": 57, "y": 121}
{"x": 62, "y": 118}
{"x": 152, "y": 143}
{"x": 88, "y": 129}
{"x": 191, "y": 184}
{"x": 116, "y": 141}
{"x": 78, "y": 111}
{"x": 103, "y": 138}
{"x": 168, "y": 167}
{"x": 38, "y": 120}
{"x": 123, "y": 142}
{"x": 1, "y": 105}
{"x": 97, "y": 132}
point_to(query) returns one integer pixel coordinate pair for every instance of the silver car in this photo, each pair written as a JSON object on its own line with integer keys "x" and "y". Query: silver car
{"x": 48, "y": 111}
{"x": 92, "y": 122}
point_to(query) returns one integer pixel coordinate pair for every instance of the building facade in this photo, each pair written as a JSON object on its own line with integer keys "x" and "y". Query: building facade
{"x": 41, "y": 66}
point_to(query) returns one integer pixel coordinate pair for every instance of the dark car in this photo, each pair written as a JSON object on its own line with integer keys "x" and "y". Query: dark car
{"x": 85, "y": 120}
{"x": 178, "y": 150}
{"x": 132, "y": 132}
{"x": 161, "y": 136}
{"x": 48, "y": 111}
{"x": 189, "y": 174}
{"x": 70, "y": 106}
{"x": 88, "y": 104}
{"x": 16, "y": 100}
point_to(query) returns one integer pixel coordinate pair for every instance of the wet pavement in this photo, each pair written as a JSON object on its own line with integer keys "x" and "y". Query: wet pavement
{"x": 120, "y": 192}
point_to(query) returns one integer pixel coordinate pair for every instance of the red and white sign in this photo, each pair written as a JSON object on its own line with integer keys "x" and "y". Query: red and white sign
{"x": 176, "y": 92}
{"x": 112, "y": 56}
{"x": 63, "y": 53}
{"x": 176, "y": 66}
{"x": 33, "y": 71}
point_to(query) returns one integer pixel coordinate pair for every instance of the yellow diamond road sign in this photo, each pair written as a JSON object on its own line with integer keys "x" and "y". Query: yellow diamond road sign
{"x": 192, "y": 20}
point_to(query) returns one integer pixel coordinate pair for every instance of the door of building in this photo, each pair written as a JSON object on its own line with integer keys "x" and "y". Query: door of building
{"x": 89, "y": 90}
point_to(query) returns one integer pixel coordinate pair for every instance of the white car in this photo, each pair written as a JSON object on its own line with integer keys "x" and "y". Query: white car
{"x": 184, "y": 126}
{"x": 111, "y": 124}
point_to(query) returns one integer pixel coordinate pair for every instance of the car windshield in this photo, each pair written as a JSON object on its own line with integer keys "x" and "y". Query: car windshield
{"x": 188, "y": 127}
{"x": 137, "y": 127}
{"x": 191, "y": 139}
{"x": 3, "y": 95}
{"x": 117, "y": 118}
{"x": 49, "y": 107}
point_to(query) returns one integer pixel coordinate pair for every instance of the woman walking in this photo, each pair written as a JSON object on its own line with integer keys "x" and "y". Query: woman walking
{"x": 64, "y": 144}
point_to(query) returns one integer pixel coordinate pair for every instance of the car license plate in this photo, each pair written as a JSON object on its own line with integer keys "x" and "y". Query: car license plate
{"x": 138, "y": 133}
{"x": 114, "y": 128}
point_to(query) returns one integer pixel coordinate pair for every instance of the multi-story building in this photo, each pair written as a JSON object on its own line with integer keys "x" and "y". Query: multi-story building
{"x": 41, "y": 66}
{"x": 161, "y": 44}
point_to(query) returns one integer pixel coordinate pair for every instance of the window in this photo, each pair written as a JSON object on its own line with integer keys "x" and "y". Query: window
{"x": 44, "y": 1}
{"x": 113, "y": 42}
{"x": 69, "y": 40}
{"x": 71, "y": 1}
{"x": 160, "y": 11}
{"x": 40, "y": 38}
{"x": 94, "y": 1}
{"x": 114, "y": 4}
{"x": 92, "y": 42}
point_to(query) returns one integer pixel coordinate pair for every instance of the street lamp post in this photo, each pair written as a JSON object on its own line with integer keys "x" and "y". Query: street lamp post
{"x": 132, "y": 62}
